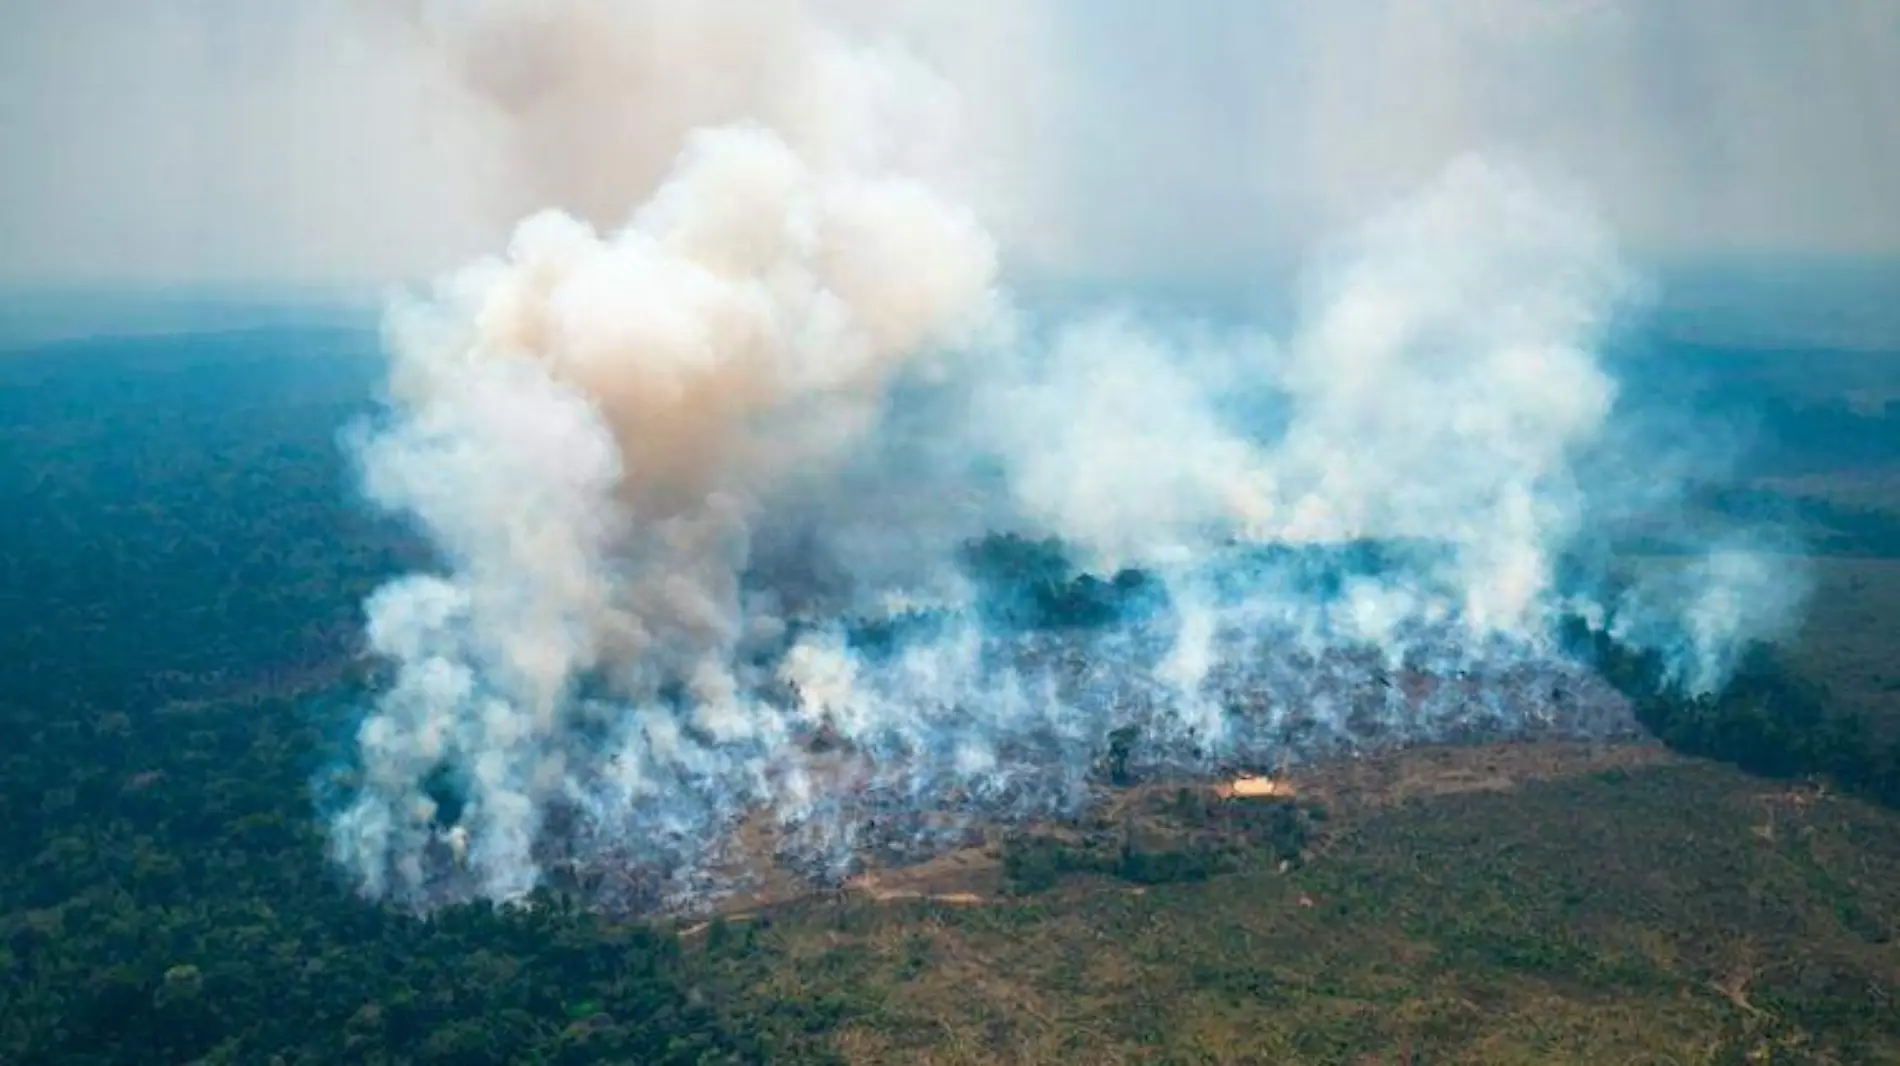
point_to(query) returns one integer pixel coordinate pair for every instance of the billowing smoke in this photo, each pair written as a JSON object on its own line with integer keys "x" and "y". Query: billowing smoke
{"x": 719, "y": 496}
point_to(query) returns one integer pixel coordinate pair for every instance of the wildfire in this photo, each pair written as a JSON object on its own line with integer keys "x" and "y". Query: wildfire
{"x": 1253, "y": 788}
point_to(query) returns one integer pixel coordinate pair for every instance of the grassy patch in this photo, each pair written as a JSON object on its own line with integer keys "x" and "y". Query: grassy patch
{"x": 1676, "y": 913}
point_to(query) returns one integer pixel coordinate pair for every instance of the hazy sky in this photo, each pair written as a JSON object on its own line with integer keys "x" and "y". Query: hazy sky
{"x": 324, "y": 140}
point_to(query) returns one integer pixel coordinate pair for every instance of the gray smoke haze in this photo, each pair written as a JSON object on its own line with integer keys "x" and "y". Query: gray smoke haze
{"x": 340, "y": 141}
{"x": 677, "y": 456}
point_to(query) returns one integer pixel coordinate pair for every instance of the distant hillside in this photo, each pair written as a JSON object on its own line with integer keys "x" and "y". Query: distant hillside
{"x": 33, "y": 317}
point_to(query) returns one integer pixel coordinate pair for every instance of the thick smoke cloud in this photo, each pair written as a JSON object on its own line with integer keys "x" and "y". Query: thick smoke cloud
{"x": 355, "y": 142}
{"x": 703, "y": 483}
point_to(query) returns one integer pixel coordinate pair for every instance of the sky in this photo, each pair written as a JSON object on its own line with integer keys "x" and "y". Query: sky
{"x": 351, "y": 143}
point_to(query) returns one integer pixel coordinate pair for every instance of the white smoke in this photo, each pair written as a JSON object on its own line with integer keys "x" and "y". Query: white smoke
{"x": 1443, "y": 377}
{"x": 658, "y": 461}
{"x": 1703, "y": 615}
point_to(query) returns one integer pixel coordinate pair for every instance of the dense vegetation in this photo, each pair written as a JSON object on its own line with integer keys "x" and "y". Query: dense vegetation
{"x": 181, "y": 569}
{"x": 171, "y": 902}
{"x": 177, "y": 517}
{"x": 1767, "y": 719}
{"x": 1788, "y": 410}
{"x": 1204, "y": 837}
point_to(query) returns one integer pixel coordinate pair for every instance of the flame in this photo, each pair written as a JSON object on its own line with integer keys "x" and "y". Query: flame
{"x": 1253, "y": 788}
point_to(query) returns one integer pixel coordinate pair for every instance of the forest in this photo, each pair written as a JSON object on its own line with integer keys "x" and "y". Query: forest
{"x": 180, "y": 579}
{"x": 1767, "y": 720}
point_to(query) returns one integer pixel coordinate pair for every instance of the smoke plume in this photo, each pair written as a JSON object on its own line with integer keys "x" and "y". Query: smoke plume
{"x": 710, "y": 477}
